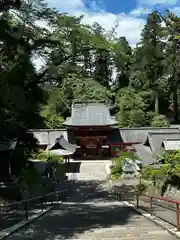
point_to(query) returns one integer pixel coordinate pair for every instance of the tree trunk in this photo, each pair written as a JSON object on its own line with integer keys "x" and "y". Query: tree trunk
{"x": 156, "y": 106}
{"x": 175, "y": 105}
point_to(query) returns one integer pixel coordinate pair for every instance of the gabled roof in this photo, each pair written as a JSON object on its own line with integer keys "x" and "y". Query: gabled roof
{"x": 62, "y": 143}
{"x": 61, "y": 147}
{"x": 155, "y": 139}
{"x": 140, "y": 135}
{"x": 48, "y": 136}
{"x": 134, "y": 135}
{"x": 144, "y": 153}
{"x": 90, "y": 114}
{"x": 171, "y": 144}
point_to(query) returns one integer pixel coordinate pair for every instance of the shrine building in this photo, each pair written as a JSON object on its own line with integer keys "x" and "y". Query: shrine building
{"x": 91, "y": 127}
{"x": 92, "y": 133}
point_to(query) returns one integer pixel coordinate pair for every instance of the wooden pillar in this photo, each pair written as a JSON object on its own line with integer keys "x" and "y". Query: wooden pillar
{"x": 123, "y": 147}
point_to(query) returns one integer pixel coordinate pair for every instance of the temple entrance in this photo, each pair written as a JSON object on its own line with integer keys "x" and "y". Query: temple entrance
{"x": 91, "y": 123}
{"x": 92, "y": 147}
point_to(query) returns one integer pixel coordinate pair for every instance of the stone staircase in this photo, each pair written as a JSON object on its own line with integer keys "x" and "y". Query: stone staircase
{"x": 93, "y": 214}
{"x": 136, "y": 228}
{"x": 92, "y": 171}
{"x": 92, "y": 220}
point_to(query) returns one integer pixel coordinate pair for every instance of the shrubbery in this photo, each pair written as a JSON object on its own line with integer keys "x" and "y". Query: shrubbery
{"x": 47, "y": 157}
{"x": 167, "y": 173}
{"x": 150, "y": 173}
{"x": 141, "y": 188}
{"x": 159, "y": 121}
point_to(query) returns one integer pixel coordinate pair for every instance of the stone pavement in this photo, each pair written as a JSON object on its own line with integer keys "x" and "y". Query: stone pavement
{"x": 160, "y": 209}
{"x": 92, "y": 214}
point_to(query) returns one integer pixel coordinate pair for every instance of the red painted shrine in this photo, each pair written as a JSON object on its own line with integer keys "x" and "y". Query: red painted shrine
{"x": 92, "y": 126}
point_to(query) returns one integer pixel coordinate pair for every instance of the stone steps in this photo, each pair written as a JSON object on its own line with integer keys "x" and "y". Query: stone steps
{"x": 137, "y": 228}
{"x": 91, "y": 214}
{"x": 92, "y": 171}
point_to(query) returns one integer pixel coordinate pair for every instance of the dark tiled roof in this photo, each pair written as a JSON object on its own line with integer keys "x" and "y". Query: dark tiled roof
{"x": 90, "y": 114}
{"x": 62, "y": 143}
{"x": 140, "y": 135}
{"x": 144, "y": 153}
{"x": 134, "y": 135}
{"x": 153, "y": 136}
{"x": 156, "y": 139}
{"x": 45, "y": 138}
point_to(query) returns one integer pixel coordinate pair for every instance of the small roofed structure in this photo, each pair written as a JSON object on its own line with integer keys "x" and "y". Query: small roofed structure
{"x": 61, "y": 147}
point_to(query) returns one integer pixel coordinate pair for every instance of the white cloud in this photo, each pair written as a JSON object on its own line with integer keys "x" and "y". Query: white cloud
{"x": 140, "y": 12}
{"x": 66, "y": 5}
{"x": 129, "y": 25}
{"x": 155, "y": 2}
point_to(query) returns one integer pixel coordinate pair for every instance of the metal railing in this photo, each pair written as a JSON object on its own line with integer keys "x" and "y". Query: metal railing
{"x": 169, "y": 205}
{"x": 26, "y": 207}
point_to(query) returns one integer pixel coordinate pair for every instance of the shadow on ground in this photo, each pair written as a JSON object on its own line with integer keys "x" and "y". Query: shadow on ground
{"x": 100, "y": 190}
{"x": 16, "y": 213}
{"x": 70, "y": 221}
{"x": 92, "y": 206}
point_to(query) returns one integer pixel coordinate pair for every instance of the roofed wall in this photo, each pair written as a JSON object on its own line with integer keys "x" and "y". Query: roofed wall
{"x": 134, "y": 135}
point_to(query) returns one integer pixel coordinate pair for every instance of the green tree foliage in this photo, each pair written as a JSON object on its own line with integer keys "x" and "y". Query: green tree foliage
{"x": 131, "y": 108}
{"x": 149, "y": 55}
{"x": 172, "y": 60}
{"x": 79, "y": 62}
{"x": 122, "y": 56}
{"x": 165, "y": 174}
{"x": 82, "y": 66}
{"x": 49, "y": 157}
{"x": 75, "y": 88}
{"x": 159, "y": 121}
{"x": 19, "y": 98}
{"x": 51, "y": 118}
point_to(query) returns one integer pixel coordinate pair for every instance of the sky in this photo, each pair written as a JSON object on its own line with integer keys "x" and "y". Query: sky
{"x": 129, "y": 15}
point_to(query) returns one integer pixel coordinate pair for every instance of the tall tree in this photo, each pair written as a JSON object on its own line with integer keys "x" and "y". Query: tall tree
{"x": 122, "y": 61}
{"x": 172, "y": 60}
{"x": 150, "y": 55}
{"x": 103, "y": 71}
{"x": 19, "y": 99}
